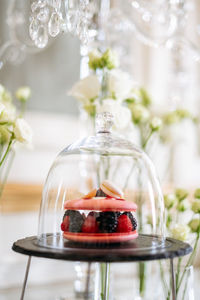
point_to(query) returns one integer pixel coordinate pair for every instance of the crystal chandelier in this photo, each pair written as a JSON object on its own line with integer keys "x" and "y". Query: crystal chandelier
{"x": 49, "y": 18}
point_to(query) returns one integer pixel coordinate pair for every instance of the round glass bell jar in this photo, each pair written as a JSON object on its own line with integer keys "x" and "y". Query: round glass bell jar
{"x": 101, "y": 190}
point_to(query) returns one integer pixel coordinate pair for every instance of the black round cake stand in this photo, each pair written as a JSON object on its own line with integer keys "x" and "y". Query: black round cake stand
{"x": 140, "y": 249}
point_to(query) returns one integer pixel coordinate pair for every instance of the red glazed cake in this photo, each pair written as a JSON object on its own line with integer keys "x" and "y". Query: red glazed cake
{"x": 101, "y": 216}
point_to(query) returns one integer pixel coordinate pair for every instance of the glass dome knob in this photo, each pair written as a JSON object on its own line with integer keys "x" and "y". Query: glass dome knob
{"x": 104, "y": 122}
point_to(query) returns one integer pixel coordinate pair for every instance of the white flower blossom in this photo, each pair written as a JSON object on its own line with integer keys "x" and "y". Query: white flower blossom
{"x": 110, "y": 59}
{"x": 183, "y": 205}
{"x": 180, "y": 232}
{"x": 22, "y": 131}
{"x": 181, "y": 194}
{"x": 196, "y": 206}
{"x": 5, "y": 134}
{"x": 194, "y": 225}
{"x": 23, "y": 93}
{"x": 119, "y": 84}
{"x": 134, "y": 93}
{"x": 121, "y": 114}
{"x": 86, "y": 89}
{"x": 94, "y": 54}
{"x": 170, "y": 200}
{"x": 139, "y": 113}
{"x": 7, "y": 112}
{"x": 156, "y": 123}
{"x": 94, "y": 59}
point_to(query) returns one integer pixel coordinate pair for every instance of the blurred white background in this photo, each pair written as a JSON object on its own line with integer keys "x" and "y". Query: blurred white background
{"x": 54, "y": 117}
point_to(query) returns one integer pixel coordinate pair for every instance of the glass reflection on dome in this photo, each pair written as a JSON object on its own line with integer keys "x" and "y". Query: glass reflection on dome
{"x": 101, "y": 190}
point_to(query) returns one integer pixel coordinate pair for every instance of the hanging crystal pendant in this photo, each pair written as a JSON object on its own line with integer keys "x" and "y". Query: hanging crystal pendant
{"x": 42, "y": 37}
{"x": 42, "y": 3}
{"x": 55, "y": 4}
{"x": 81, "y": 25}
{"x": 83, "y": 36}
{"x": 71, "y": 21}
{"x": 63, "y": 26}
{"x": 54, "y": 24}
{"x": 34, "y": 6}
{"x": 43, "y": 15}
{"x": 33, "y": 29}
{"x": 48, "y": 19}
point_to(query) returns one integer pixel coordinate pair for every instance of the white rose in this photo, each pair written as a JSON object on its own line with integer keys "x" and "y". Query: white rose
{"x": 119, "y": 84}
{"x": 23, "y": 93}
{"x": 134, "y": 94}
{"x": 121, "y": 114}
{"x": 86, "y": 89}
{"x": 139, "y": 113}
{"x": 7, "y": 112}
{"x": 180, "y": 232}
{"x": 22, "y": 131}
{"x": 94, "y": 54}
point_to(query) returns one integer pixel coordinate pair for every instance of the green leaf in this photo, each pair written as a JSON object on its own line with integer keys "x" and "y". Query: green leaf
{"x": 145, "y": 98}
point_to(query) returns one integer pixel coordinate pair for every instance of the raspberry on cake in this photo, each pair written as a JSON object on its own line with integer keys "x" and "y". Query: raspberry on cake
{"x": 90, "y": 224}
{"x": 124, "y": 224}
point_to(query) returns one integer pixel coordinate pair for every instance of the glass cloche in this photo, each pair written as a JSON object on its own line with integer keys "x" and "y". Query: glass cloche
{"x": 101, "y": 189}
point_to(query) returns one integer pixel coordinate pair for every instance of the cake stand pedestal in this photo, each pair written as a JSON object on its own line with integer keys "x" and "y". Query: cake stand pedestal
{"x": 140, "y": 249}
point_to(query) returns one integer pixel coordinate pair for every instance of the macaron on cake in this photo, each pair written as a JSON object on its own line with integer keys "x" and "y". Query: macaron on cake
{"x": 101, "y": 216}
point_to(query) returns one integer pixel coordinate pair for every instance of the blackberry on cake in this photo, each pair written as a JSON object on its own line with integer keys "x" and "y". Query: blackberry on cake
{"x": 107, "y": 221}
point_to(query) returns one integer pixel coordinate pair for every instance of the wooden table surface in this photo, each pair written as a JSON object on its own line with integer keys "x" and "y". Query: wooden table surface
{"x": 20, "y": 198}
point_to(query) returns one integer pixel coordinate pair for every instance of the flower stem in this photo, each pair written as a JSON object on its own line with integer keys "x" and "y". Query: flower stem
{"x": 5, "y": 174}
{"x": 23, "y": 108}
{"x": 7, "y": 151}
{"x": 166, "y": 289}
{"x": 105, "y": 280}
{"x": 87, "y": 287}
{"x": 145, "y": 142}
{"x": 178, "y": 270}
{"x": 190, "y": 260}
{"x": 185, "y": 288}
{"x": 142, "y": 275}
{"x": 103, "y": 85}
{"x": 102, "y": 270}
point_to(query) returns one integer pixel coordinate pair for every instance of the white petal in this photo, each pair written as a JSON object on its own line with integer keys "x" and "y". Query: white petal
{"x": 22, "y": 131}
{"x": 86, "y": 89}
{"x": 119, "y": 83}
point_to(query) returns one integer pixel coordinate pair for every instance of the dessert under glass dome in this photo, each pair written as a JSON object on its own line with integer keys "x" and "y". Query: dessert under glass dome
{"x": 101, "y": 189}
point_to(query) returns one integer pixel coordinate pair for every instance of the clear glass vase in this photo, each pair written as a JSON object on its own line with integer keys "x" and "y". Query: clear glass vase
{"x": 184, "y": 276}
{"x": 5, "y": 168}
{"x": 84, "y": 282}
{"x": 186, "y": 290}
